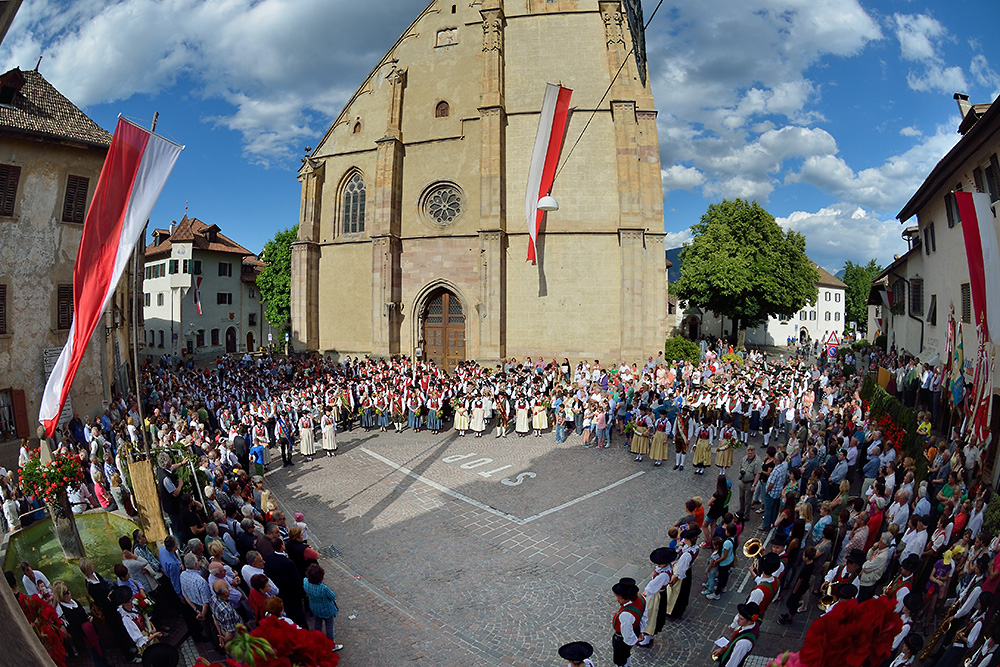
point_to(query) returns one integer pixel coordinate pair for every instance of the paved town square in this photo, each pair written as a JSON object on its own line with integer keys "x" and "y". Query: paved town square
{"x": 486, "y": 551}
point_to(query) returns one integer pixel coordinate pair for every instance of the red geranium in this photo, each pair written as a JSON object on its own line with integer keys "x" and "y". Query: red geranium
{"x": 852, "y": 634}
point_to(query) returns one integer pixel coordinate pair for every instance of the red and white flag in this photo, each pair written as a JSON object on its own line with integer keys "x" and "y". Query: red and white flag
{"x": 133, "y": 175}
{"x": 984, "y": 260}
{"x": 545, "y": 156}
{"x": 197, "y": 294}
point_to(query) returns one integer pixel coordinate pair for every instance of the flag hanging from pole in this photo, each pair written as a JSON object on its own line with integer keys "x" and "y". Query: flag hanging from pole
{"x": 135, "y": 170}
{"x": 979, "y": 408}
{"x": 545, "y": 157}
{"x": 197, "y": 294}
{"x": 984, "y": 260}
{"x": 957, "y": 381}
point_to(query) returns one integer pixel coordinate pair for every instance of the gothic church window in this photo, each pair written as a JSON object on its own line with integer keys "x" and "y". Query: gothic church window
{"x": 443, "y": 203}
{"x": 353, "y": 205}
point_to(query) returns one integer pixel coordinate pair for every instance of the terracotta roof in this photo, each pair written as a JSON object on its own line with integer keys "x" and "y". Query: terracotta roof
{"x": 827, "y": 279}
{"x": 39, "y": 109}
{"x": 200, "y": 235}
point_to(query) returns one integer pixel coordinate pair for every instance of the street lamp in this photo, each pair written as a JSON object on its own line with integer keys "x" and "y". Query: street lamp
{"x": 548, "y": 203}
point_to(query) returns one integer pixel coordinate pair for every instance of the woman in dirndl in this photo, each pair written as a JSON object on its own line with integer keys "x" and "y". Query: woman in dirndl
{"x": 656, "y": 590}
{"x": 659, "y": 448}
{"x": 642, "y": 433}
{"x": 461, "y": 418}
{"x": 727, "y": 442}
{"x": 329, "y": 425}
{"x": 703, "y": 448}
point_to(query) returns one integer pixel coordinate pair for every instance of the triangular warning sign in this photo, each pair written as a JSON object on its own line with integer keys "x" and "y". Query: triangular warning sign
{"x": 832, "y": 340}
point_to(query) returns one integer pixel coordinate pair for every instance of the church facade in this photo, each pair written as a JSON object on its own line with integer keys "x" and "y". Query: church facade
{"x": 413, "y": 237}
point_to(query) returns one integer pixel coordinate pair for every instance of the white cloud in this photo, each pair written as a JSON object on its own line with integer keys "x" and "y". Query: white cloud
{"x": 917, "y": 35}
{"x": 676, "y": 239}
{"x": 284, "y": 66}
{"x": 911, "y": 131}
{"x": 883, "y": 187}
{"x": 679, "y": 177}
{"x": 937, "y": 79}
{"x": 832, "y": 232}
{"x": 985, "y": 75}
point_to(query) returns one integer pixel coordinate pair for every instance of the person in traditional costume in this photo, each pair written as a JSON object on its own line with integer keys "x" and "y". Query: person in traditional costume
{"x": 414, "y": 407}
{"x": 912, "y": 605}
{"x": 683, "y": 427}
{"x": 478, "y": 421}
{"x": 902, "y": 584}
{"x": 329, "y": 427}
{"x": 522, "y": 414}
{"x": 503, "y": 410}
{"x": 398, "y": 410}
{"x": 727, "y": 442}
{"x": 461, "y": 417}
{"x": 745, "y": 629}
{"x": 539, "y": 417}
{"x": 703, "y": 448}
{"x": 659, "y": 447}
{"x": 655, "y": 592}
{"x": 766, "y": 584}
{"x": 679, "y": 588}
{"x": 367, "y": 412}
{"x": 577, "y": 653}
{"x": 627, "y": 622}
{"x": 140, "y": 629}
{"x": 981, "y": 657}
{"x": 382, "y": 411}
{"x": 434, "y": 412}
{"x": 641, "y": 435}
{"x": 307, "y": 447}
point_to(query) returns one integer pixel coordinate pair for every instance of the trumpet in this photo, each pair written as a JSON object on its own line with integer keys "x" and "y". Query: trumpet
{"x": 752, "y": 547}
{"x": 827, "y": 598}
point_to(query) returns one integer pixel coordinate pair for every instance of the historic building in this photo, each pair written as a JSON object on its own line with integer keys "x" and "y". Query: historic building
{"x": 51, "y": 155}
{"x": 193, "y": 259}
{"x": 816, "y": 321}
{"x": 412, "y": 235}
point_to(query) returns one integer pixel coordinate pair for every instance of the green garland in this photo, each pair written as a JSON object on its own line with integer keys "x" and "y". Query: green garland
{"x": 879, "y": 403}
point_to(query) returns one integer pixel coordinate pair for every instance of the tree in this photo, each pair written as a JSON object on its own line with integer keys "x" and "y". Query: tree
{"x": 742, "y": 265}
{"x": 858, "y": 279}
{"x": 275, "y": 281}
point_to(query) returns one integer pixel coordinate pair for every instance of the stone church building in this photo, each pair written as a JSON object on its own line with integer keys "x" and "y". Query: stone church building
{"x": 412, "y": 236}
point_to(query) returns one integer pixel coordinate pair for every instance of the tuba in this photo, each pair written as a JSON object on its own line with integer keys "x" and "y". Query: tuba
{"x": 827, "y": 598}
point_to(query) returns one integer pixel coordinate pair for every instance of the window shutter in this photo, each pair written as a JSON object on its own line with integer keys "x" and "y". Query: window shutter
{"x": 977, "y": 176}
{"x": 65, "y": 314}
{"x": 76, "y": 198}
{"x": 995, "y": 190}
{"x": 9, "y": 177}
{"x": 20, "y": 408}
{"x": 949, "y": 203}
{"x": 3, "y": 309}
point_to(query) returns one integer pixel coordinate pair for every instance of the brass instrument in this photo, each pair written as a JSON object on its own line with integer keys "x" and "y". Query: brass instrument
{"x": 888, "y": 587}
{"x": 752, "y": 547}
{"x": 943, "y": 628}
{"x": 827, "y": 598}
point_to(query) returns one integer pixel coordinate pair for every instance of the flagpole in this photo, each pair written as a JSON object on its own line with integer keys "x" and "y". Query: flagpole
{"x": 138, "y": 252}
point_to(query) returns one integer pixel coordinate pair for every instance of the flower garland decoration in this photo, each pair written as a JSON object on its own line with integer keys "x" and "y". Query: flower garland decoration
{"x": 47, "y": 626}
{"x": 852, "y": 634}
{"x": 277, "y": 643}
{"x": 50, "y": 481}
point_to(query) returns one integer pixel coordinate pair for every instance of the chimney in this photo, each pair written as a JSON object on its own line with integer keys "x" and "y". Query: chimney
{"x": 963, "y": 104}
{"x": 173, "y": 225}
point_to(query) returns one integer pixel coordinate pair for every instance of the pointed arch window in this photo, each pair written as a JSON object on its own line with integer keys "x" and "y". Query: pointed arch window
{"x": 353, "y": 205}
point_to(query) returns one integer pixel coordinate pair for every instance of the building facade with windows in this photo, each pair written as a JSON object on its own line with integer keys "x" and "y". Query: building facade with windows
{"x": 51, "y": 155}
{"x": 816, "y": 321}
{"x": 911, "y": 299}
{"x": 413, "y": 233}
{"x": 192, "y": 261}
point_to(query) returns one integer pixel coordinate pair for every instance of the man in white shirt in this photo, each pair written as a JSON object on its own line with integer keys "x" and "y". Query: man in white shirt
{"x": 915, "y": 539}
{"x": 976, "y": 518}
{"x": 34, "y": 582}
{"x": 899, "y": 510}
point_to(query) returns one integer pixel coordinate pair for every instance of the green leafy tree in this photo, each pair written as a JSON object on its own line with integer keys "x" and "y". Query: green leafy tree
{"x": 275, "y": 281}
{"x": 742, "y": 265}
{"x": 858, "y": 278}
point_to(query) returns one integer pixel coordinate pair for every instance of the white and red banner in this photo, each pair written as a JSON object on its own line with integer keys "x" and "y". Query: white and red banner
{"x": 197, "y": 294}
{"x": 134, "y": 172}
{"x": 545, "y": 157}
{"x": 984, "y": 260}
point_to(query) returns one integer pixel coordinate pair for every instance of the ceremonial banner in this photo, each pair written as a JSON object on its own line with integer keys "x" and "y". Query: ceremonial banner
{"x": 197, "y": 294}
{"x": 957, "y": 383}
{"x": 883, "y": 377}
{"x": 984, "y": 260}
{"x": 134, "y": 172}
{"x": 545, "y": 157}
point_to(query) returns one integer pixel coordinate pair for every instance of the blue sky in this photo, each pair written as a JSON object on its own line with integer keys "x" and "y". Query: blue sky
{"x": 828, "y": 112}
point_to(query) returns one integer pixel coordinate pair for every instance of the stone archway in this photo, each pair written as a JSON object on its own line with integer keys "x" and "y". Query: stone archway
{"x": 443, "y": 329}
{"x": 803, "y": 335}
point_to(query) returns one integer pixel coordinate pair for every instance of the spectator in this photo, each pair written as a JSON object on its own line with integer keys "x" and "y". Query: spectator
{"x": 322, "y": 601}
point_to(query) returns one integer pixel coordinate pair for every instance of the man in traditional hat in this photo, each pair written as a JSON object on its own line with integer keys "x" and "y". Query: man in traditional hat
{"x": 656, "y": 607}
{"x": 903, "y": 583}
{"x": 577, "y": 653}
{"x": 627, "y": 622}
{"x": 842, "y": 592}
{"x": 766, "y": 583}
{"x": 139, "y": 629}
{"x": 983, "y": 656}
{"x": 911, "y": 648}
{"x": 912, "y": 605}
{"x": 745, "y": 628}
{"x": 848, "y": 572}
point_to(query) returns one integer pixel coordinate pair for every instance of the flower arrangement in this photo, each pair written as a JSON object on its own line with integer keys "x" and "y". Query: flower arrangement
{"x": 852, "y": 634}
{"x": 276, "y": 643}
{"x": 47, "y": 626}
{"x": 142, "y": 603}
{"x": 439, "y": 413}
{"x": 457, "y": 403}
{"x": 547, "y": 403}
{"x": 51, "y": 480}
{"x": 891, "y": 432}
{"x": 629, "y": 428}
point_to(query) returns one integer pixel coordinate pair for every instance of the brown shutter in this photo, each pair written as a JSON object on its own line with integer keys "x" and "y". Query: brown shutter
{"x": 76, "y": 198}
{"x": 20, "y": 413}
{"x": 65, "y": 318}
{"x": 9, "y": 177}
{"x": 3, "y": 309}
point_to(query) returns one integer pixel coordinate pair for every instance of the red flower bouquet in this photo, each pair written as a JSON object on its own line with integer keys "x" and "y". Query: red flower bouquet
{"x": 275, "y": 643}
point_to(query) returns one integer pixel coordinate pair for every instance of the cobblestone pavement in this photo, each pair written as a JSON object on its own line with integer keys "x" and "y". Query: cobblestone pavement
{"x": 462, "y": 551}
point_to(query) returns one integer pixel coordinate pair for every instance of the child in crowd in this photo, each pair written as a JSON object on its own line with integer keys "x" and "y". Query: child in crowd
{"x": 800, "y": 588}
{"x": 712, "y": 568}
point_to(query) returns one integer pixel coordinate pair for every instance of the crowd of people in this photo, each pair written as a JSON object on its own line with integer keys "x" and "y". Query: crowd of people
{"x": 841, "y": 512}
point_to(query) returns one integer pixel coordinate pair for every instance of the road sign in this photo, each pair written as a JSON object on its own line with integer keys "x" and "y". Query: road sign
{"x": 831, "y": 351}
{"x": 270, "y": 337}
{"x": 832, "y": 340}
{"x": 286, "y": 338}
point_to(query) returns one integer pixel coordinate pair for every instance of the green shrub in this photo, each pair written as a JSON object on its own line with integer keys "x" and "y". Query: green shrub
{"x": 849, "y": 371}
{"x": 677, "y": 348}
{"x": 733, "y": 358}
{"x": 881, "y": 342}
{"x": 991, "y": 523}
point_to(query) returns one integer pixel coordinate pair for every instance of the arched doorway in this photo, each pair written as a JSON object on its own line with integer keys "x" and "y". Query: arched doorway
{"x": 250, "y": 345}
{"x": 444, "y": 330}
{"x": 803, "y": 336}
{"x": 231, "y": 339}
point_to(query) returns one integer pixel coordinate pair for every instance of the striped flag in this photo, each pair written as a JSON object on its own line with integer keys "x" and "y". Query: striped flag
{"x": 984, "y": 260}
{"x": 957, "y": 384}
{"x": 134, "y": 172}
{"x": 545, "y": 157}
{"x": 197, "y": 294}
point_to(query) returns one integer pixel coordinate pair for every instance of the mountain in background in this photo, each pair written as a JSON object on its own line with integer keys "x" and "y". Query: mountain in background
{"x": 674, "y": 257}
{"x": 839, "y": 275}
